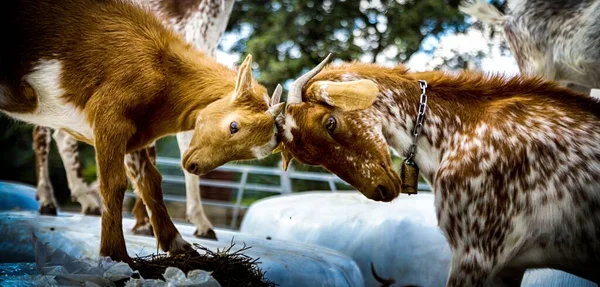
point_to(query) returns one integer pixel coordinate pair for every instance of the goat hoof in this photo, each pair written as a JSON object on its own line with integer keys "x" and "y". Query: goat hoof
{"x": 92, "y": 211}
{"x": 49, "y": 209}
{"x": 143, "y": 229}
{"x": 209, "y": 234}
{"x": 184, "y": 248}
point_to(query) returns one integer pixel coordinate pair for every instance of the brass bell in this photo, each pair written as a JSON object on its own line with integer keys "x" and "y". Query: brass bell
{"x": 409, "y": 176}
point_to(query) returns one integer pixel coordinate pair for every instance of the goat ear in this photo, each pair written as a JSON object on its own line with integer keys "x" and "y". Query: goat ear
{"x": 278, "y": 148}
{"x": 243, "y": 82}
{"x": 348, "y": 96}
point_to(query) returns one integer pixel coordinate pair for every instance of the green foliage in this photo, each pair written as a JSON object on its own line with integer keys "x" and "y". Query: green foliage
{"x": 17, "y": 159}
{"x": 168, "y": 147}
{"x": 90, "y": 170}
{"x": 287, "y": 37}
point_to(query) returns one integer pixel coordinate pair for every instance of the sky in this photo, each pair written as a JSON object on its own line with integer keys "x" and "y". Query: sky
{"x": 471, "y": 42}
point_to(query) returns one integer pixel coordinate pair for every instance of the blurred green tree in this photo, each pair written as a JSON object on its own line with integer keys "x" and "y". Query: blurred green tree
{"x": 286, "y": 37}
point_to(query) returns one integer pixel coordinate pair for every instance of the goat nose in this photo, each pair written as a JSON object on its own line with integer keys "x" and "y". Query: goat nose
{"x": 383, "y": 192}
{"x": 192, "y": 168}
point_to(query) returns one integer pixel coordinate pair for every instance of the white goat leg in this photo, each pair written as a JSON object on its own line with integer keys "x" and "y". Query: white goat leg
{"x": 194, "y": 210}
{"x": 88, "y": 197}
{"x": 133, "y": 168}
{"x": 45, "y": 192}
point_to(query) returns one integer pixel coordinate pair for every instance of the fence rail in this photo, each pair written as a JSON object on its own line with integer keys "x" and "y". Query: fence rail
{"x": 285, "y": 186}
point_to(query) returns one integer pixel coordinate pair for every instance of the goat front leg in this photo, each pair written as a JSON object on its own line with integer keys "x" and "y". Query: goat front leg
{"x": 133, "y": 163}
{"x": 80, "y": 192}
{"x": 149, "y": 187}
{"x": 468, "y": 270}
{"x": 110, "y": 143}
{"x": 44, "y": 193}
{"x": 194, "y": 210}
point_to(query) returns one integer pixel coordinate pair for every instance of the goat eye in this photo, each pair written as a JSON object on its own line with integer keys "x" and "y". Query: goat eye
{"x": 234, "y": 127}
{"x": 331, "y": 124}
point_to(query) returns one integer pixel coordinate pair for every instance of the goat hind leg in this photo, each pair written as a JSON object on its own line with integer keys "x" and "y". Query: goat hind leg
{"x": 142, "y": 224}
{"x": 149, "y": 187}
{"x": 142, "y": 220}
{"x": 44, "y": 192}
{"x": 194, "y": 210}
{"x": 87, "y": 196}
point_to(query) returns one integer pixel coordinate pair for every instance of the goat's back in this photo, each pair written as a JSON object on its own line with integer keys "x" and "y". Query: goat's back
{"x": 88, "y": 33}
{"x": 94, "y": 41}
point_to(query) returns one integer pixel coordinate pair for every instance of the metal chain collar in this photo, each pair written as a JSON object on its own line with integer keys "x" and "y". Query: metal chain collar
{"x": 420, "y": 119}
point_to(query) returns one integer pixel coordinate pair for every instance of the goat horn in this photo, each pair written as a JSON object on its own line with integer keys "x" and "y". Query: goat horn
{"x": 276, "y": 95}
{"x": 295, "y": 93}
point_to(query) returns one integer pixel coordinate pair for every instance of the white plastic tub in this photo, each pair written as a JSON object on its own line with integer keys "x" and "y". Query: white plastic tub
{"x": 401, "y": 238}
{"x": 286, "y": 263}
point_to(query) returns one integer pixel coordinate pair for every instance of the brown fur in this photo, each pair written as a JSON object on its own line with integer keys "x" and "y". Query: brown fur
{"x": 513, "y": 162}
{"x": 489, "y": 96}
{"x": 178, "y": 9}
{"x": 124, "y": 70}
{"x": 202, "y": 24}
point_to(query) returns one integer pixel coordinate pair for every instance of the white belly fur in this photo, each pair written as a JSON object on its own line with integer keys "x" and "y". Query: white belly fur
{"x": 53, "y": 111}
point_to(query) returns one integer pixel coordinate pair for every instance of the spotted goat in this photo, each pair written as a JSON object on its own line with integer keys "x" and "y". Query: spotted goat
{"x": 202, "y": 23}
{"x": 557, "y": 40}
{"x": 513, "y": 161}
{"x": 110, "y": 74}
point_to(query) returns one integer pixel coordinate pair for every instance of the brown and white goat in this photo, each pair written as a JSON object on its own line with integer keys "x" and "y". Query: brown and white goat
{"x": 514, "y": 163}
{"x": 557, "y": 40}
{"x": 112, "y": 75}
{"x": 202, "y": 23}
